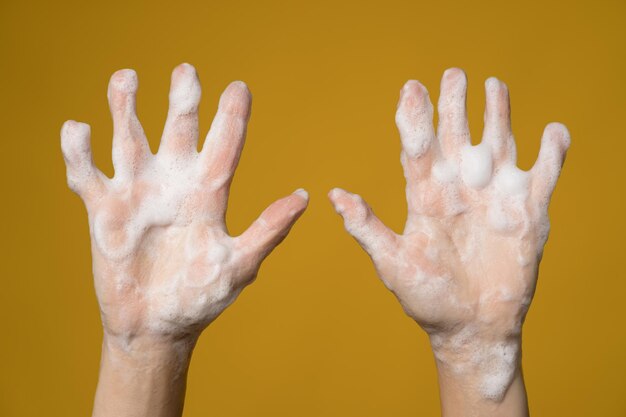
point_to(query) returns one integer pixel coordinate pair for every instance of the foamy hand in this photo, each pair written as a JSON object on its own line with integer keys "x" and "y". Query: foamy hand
{"x": 466, "y": 265}
{"x": 163, "y": 261}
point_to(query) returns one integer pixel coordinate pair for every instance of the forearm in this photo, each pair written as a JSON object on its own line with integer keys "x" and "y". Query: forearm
{"x": 142, "y": 377}
{"x": 485, "y": 380}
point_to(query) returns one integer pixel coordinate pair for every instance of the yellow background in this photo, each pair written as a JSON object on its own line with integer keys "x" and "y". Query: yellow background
{"x": 317, "y": 334}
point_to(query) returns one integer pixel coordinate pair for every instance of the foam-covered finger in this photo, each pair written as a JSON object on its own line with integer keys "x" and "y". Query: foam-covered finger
{"x": 130, "y": 146}
{"x": 82, "y": 176}
{"x": 497, "y": 131}
{"x": 180, "y": 135}
{"x": 226, "y": 137}
{"x": 453, "y": 128}
{"x": 545, "y": 172}
{"x": 273, "y": 225}
{"x": 225, "y": 140}
{"x": 361, "y": 222}
{"x": 414, "y": 119}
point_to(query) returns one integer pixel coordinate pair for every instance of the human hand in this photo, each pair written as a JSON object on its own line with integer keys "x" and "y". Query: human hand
{"x": 164, "y": 264}
{"x": 466, "y": 265}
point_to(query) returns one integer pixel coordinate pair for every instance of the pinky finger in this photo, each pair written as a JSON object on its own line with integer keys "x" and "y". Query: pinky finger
{"x": 545, "y": 172}
{"x": 82, "y": 176}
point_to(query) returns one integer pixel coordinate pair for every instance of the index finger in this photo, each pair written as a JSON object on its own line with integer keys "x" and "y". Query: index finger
{"x": 224, "y": 142}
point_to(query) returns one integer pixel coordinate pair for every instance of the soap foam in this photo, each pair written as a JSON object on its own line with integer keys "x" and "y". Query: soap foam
{"x": 185, "y": 93}
{"x": 499, "y": 362}
{"x": 476, "y": 165}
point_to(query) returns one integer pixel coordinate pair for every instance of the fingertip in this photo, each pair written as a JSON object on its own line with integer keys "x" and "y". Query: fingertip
{"x": 75, "y": 128}
{"x": 185, "y": 90}
{"x": 349, "y": 205}
{"x": 302, "y": 193}
{"x": 240, "y": 84}
{"x": 236, "y": 99}
{"x": 453, "y": 88}
{"x": 547, "y": 168}
{"x": 413, "y": 87}
{"x": 493, "y": 84}
{"x": 239, "y": 87}
{"x": 412, "y": 94}
{"x": 184, "y": 71}
{"x": 414, "y": 119}
{"x": 497, "y": 96}
{"x": 121, "y": 94}
{"x": 76, "y": 151}
{"x": 558, "y": 134}
{"x": 124, "y": 80}
{"x": 453, "y": 85}
{"x": 333, "y": 193}
{"x": 74, "y": 136}
{"x": 454, "y": 74}
{"x": 336, "y": 194}
{"x": 184, "y": 68}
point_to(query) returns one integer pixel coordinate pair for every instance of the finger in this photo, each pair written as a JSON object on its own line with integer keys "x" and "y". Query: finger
{"x": 453, "y": 130}
{"x": 414, "y": 119}
{"x": 222, "y": 148}
{"x": 130, "y": 147}
{"x": 82, "y": 176}
{"x": 272, "y": 226}
{"x": 180, "y": 135}
{"x": 545, "y": 172}
{"x": 497, "y": 133}
{"x": 361, "y": 222}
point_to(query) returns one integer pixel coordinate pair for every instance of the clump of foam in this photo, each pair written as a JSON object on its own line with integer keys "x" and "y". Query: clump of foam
{"x": 445, "y": 171}
{"x": 512, "y": 181}
{"x": 476, "y": 165}
{"x": 498, "y": 362}
{"x": 507, "y": 210}
{"x": 185, "y": 97}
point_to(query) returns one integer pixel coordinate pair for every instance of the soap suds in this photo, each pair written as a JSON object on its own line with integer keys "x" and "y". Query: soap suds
{"x": 445, "y": 171}
{"x": 476, "y": 165}
{"x": 185, "y": 96}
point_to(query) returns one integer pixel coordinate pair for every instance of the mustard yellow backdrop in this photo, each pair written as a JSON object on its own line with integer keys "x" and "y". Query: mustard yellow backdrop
{"x": 317, "y": 334}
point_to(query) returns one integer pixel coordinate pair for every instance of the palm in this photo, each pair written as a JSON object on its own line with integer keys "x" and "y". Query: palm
{"x": 164, "y": 262}
{"x": 191, "y": 280}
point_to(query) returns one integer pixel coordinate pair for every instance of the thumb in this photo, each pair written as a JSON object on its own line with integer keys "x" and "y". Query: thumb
{"x": 273, "y": 225}
{"x": 361, "y": 222}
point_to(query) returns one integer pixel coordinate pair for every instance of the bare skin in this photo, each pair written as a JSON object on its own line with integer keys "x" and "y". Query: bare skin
{"x": 164, "y": 264}
{"x": 466, "y": 265}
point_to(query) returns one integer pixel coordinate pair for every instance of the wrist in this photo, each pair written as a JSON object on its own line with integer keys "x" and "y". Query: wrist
{"x": 142, "y": 375}
{"x": 484, "y": 364}
{"x": 146, "y": 352}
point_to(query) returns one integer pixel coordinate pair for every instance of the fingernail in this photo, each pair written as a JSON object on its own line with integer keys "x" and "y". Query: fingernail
{"x": 302, "y": 193}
